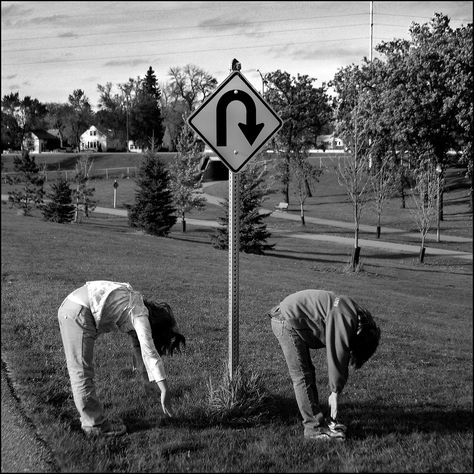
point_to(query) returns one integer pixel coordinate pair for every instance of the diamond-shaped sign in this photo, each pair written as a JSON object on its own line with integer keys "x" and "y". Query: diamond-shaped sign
{"x": 235, "y": 121}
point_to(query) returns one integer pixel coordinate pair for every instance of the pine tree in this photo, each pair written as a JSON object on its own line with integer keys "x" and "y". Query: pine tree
{"x": 29, "y": 176}
{"x": 253, "y": 232}
{"x": 153, "y": 210}
{"x": 145, "y": 117}
{"x": 60, "y": 207}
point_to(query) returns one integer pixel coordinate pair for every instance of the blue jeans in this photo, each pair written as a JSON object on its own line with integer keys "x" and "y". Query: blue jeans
{"x": 302, "y": 372}
{"x": 78, "y": 333}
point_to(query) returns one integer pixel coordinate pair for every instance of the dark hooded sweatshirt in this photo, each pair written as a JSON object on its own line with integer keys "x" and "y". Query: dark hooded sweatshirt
{"x": 324, "y": 319}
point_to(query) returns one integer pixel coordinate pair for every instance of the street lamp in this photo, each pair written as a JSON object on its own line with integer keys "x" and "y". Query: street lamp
{"x": 263, "y": 82}
{"x": 438, "y": 172}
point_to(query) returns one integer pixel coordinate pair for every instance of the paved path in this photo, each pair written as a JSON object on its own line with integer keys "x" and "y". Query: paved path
{"x": 347, "y": 241}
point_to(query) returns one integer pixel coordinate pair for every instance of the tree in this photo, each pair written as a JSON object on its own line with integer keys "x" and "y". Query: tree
{"x": 145, "y": 116}
{"x": 253, "y": 233}
{"x": 304, "y": 110}
{"x": 129, "y": 96}
{"x": 431, "y": 114}
{"x": 80, "y": 117}
{"x": 188, "y": 86}
{"x": 25, "y": 114}
{"x": 83, "y": 193}
{"x": 153, "y": 210}
{"x": 112, "y": 116}
{"x": 32, "y": 192}
{"x": 353, "y": 172}
{"x": 185, "y": 176}
{"x": 304, "y": 174}
{"x": 57, "y": 117}
{"x": 383, "y": 184}
{"x": 424, "y": 198}
{"x": 10, "y": 133}
{"x": 60, "y": 207}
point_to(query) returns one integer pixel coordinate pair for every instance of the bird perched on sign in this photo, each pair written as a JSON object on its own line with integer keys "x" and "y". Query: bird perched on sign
{"x": 236, "y": 66}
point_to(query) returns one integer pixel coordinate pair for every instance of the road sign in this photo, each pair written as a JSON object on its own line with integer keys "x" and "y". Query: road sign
{"x": 235, "y": 121}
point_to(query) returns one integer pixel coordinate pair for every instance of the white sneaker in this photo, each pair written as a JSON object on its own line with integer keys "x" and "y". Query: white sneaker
{"x": 105, "y": 429}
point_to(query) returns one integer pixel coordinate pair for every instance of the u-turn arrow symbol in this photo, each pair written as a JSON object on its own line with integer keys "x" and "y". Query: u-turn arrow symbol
{"x": 251, "y": 129}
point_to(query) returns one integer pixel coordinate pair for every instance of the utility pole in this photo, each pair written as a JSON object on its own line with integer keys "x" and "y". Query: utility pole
{"x": 263, "y": 82}
{"x": 371, "y": 30}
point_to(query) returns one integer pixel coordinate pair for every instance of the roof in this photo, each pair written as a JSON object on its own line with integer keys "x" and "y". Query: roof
{"x": 43, "y": 135}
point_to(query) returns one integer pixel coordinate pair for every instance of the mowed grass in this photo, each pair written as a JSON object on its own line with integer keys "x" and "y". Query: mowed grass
{"x": 409, "y": 409}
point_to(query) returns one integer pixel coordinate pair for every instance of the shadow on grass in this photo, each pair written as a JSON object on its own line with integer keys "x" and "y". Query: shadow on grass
{"x": 362, "y": 420}
{"x": 379, "y": 420}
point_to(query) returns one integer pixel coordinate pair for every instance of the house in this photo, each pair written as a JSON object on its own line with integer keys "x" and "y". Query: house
{"x": 93, "y": 140}
{"x": 329, "y": 142}
{"x": 38, "y": 141}
{"x": 134, "y": 148}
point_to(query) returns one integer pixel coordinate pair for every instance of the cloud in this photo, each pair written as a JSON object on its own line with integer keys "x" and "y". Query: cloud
{"x": 12, "y": 14}
{"x": 126, "y": 62}
{"x": 68, "y": 34}
{"x": 320, "y": 52}
{"x": 236, "y": 25}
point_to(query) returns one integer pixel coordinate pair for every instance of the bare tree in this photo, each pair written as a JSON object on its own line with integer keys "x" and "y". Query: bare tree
{"x": 384, "y": 184}
{"x": 191, "y": 84}
{"x": 424, "y": 194}
{"x": 83, "y": 193}
{"x": 353, "y": 174}
{"x": 304, "y": 175}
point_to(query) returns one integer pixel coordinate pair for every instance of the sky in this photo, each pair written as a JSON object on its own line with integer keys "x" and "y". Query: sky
{"x": 49, "y": 49}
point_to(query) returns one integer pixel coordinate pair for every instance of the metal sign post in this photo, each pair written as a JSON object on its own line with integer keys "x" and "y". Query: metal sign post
{"x": 115, "y": 193}
{"x": 236, "y": 123}
{"x": 234, "y": 244}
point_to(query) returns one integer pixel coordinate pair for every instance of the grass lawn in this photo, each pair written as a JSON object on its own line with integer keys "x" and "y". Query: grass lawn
{"x": 408, "y": 410}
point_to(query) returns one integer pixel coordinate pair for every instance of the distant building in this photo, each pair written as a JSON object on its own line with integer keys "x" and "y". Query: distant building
{"x": 39, "y": 141}
{"x": 329, "y": 142}
{"x": 132, "y": 147}
{"x": 93, "y": 140}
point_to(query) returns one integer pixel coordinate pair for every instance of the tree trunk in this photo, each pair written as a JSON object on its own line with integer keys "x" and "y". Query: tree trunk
{"x": 302, "y": 214}
{"x": 355, "y": 258}
{"x": 183, "y": 220}
{"x": 441, "y": 195}
{"x": 378, "y": 227}
{"x": 422, "y": 254}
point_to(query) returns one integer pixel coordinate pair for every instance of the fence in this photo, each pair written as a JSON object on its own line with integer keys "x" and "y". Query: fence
{"x": 101, "y": 173}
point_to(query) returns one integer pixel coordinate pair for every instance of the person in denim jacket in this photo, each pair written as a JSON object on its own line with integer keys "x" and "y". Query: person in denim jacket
{"x": 317, "y": 319}
{"x": 100, "y": 307}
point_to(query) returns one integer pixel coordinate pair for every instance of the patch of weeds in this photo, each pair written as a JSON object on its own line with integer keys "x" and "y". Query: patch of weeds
{"x": 348, "y": 268}
{"x": 241, "y": 398}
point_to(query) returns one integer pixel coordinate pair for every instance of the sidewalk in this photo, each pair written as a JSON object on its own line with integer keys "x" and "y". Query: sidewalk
{"x": 348, "y": 241}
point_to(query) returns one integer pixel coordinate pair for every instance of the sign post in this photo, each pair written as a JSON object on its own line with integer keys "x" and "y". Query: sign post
{"x": 115, "y": 192}
{"x": 236, "y": 123}
{"x": 234, "y": 244}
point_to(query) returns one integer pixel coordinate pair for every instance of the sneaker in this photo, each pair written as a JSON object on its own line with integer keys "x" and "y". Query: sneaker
{"x": 334, "y": 425}
{"x": 325, "y": 433}
{"x": 105, "y": 429}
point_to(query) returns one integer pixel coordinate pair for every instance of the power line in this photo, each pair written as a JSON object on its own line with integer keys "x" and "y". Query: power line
{"x": 233, "y": 48}
{"x": 157, "y": 30}
{"x": 116, "y": 43}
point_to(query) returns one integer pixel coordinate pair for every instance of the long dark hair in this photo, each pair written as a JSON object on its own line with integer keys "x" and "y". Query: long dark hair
{"x": 163, "y": 328}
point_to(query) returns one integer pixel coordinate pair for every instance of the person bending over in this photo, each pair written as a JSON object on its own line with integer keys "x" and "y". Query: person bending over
{"x": 314, "y": 319}
{"x": 102, "y": 306}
